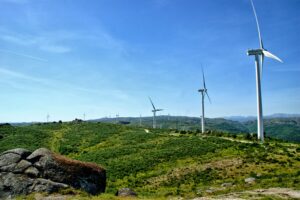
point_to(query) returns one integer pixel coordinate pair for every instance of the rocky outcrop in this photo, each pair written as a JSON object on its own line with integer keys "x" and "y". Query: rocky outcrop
{"x": 126, "y": 192}
{"x": 250, "y": 180}
{"x": 23, "y": 172}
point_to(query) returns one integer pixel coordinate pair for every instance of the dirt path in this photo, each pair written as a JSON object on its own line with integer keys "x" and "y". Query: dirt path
{"x": 56, "y": 138}
{"x": 278, "y": 193}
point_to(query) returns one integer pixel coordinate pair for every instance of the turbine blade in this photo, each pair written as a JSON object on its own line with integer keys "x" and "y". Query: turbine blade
{"x": 203, "y": 77}
{"x": 208, "y": 96}
{"x": 257, "y": 24}
{"x": 152, "y": 104}
{"x": 159, "y": 109}
{"x": 270, "y": 55}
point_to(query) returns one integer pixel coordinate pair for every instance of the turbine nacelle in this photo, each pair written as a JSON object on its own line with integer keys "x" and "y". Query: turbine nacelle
{"x": 263, "y": 52}
{"x": 157, "y": 110}
{"x": 253, "y": 52}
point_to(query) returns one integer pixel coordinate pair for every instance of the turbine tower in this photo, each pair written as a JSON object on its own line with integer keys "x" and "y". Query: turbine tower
{"x": 259, "y": 54}
{"x": 154, "y": 113}
{"x": 117, "y": 118}
{"x": 48, "y": 116}
{"x": 140, "y": 120}
{"x": 203, "y": 93}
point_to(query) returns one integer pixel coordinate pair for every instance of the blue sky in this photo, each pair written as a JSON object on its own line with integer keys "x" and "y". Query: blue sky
{"x": 103, "y": 57}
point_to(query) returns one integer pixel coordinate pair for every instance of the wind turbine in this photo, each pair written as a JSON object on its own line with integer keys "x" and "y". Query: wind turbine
{"x": 48, "y": 116}
{"x": 140, "y": 120}
{"x": 203, "y": 93}
{"x": 154, "y": 113}
{"x": 260, "y": 54}
{"x": 117, "y": 118}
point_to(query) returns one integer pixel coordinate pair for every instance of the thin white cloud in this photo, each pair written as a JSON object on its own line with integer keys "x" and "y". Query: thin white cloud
{"x": 55, "y": 48}
{"x": 58, "y": 85}
{"x": 24, "y": 55}
{"x": 18, "y": 75}
{"x": 59, "y": 41}
{"x": 20, "y": 40}
{"x": 49, "y": 42}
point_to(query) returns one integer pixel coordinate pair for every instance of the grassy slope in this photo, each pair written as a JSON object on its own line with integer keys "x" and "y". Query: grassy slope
{"x": 162, "y": 163}
{"x": 185, "y": 123}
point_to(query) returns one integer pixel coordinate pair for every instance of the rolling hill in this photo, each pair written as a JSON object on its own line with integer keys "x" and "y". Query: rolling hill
{"x": 162, "y": 163}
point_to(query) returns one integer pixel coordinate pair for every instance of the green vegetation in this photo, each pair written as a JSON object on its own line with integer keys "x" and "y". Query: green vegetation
{"x": 162, "y": 162}
{"x": 281, "y": 128}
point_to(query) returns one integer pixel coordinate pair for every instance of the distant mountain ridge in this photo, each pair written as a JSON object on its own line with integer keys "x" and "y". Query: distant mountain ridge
{"x": 250, "y": 118}
{"x": 281, "y": 126}
{"x": 286, "y": 127}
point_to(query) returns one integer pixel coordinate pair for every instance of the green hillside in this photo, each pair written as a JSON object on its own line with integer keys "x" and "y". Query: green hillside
{"x": 163, "y": 163}
{"x": 183, "y": 123}
{"x": 282, "y": 128}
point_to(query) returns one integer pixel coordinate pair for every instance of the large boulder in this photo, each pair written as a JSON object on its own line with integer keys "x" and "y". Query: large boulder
{"x": 23, "y": 172}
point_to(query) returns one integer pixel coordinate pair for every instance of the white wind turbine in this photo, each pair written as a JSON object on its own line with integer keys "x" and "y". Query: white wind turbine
{"x": 154, "y": 113}
{"x": 259, "y": 60}
{"x": 48, "y": 116}
{"x": 140, "y": 120}
{"x": 203, "y": 93}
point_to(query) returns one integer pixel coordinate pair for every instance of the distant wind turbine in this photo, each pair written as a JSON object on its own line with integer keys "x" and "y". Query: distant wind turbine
{"x": 117, "y": 118}
{"x": 203, "y": 93}
{"x": 140, "y": 120}
{"x": 259, "y": 60}
{"x": 48, "y": 116}
{"x": 154, "y": 113}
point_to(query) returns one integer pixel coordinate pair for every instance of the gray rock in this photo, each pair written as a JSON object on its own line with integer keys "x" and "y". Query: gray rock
{"x": 32, "y": 172}
{"x": 22, "y": 166}
{"x": 20, "y": 151}
{"x": 9, "y": 158}
{"x": 8, "y": 168}
{"x": 37, "y": 154}
{"x": 80, "y": 175}
{"x": 46, "y": 186}
{"x": 250, "y": 180}
{"x": 44, "y": 171}
{"x": 226, "y": 184}
{"x": 18, "y": 184}
{"x": 13, "y": 184}
{"x": 210, "y": 191}
{"x": 126, "y": 192}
